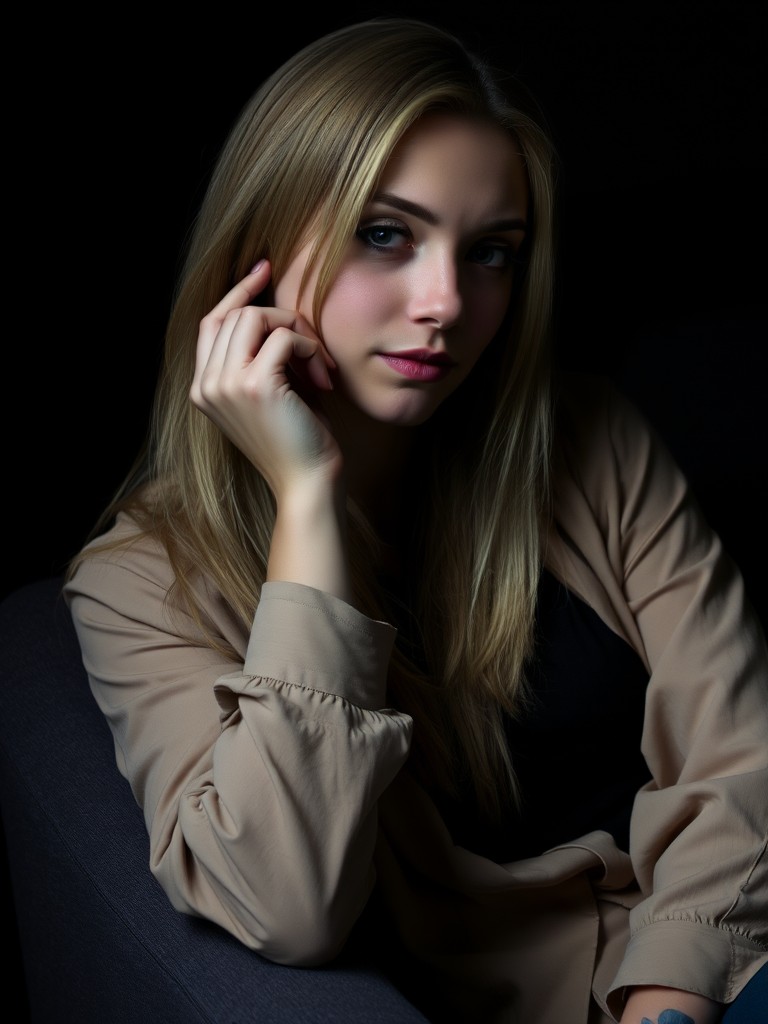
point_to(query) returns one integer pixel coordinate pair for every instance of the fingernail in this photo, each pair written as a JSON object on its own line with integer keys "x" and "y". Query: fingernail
{"x": 257, "y": 266}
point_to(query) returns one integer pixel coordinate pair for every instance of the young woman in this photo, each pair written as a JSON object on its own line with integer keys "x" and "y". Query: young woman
{"x": 392, "y": 619}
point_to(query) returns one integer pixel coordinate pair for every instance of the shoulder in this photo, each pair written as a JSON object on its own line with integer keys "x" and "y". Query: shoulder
{"x": 121, "y": 583}
{"x": 121, "y": 552}
{"x": 626, "y": 521}
{"x": 606, "y": 446}
{"x": 590, "y": 408}
{"x": 616, "y": 486}
{"x": 126, "y": 583}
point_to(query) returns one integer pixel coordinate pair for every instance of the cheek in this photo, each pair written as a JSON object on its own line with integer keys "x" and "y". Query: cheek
{"x": 486, "y": 315}
{"x": 356, "y": 301}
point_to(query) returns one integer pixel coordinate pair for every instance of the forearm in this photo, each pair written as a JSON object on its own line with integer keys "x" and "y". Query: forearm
{"x": 276, "y": 843}
{"x": 309, "y": 540}
{"x": 651, "y": 1004}
{"x": 267, "y": 824}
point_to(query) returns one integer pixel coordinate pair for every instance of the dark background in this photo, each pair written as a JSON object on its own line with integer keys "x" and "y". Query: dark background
{"x": 659, "y": 112}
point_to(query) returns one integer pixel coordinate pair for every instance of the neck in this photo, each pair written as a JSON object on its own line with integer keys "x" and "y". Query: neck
{"x": 376, "y": 460}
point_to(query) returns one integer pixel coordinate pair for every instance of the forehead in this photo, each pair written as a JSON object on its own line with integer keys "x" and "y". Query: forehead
{"x": 446, "y": 158}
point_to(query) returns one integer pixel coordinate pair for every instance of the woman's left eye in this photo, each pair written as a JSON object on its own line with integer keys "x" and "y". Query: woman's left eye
{"x": 498, "y": 255}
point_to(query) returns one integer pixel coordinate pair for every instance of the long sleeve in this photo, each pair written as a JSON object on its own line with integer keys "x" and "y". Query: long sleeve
{"x": 258, "y": 780}
{"x": 699, "y": 828}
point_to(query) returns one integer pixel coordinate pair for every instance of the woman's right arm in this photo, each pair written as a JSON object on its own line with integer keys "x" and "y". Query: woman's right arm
{"x": 259, "y": 781}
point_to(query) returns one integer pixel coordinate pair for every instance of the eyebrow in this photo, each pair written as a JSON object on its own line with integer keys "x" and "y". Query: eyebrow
{"x": 417, "y": 210}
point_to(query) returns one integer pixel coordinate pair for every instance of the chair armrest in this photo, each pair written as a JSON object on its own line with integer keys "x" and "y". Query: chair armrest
{"x": 97, "y": 934}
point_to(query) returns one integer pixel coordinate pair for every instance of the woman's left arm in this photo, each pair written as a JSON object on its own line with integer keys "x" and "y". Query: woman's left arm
{"x": 699, "y": 829}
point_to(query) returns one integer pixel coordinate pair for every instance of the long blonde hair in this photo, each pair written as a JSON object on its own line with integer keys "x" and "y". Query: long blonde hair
{"x": 307, "y": 149}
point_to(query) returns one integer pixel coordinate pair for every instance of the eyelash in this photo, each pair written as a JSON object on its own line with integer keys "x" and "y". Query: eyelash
{"x": 365, "y": 235}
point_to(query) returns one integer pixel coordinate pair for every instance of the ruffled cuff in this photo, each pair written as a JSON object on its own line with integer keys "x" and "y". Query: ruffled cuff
{"x": 307, "y": 637}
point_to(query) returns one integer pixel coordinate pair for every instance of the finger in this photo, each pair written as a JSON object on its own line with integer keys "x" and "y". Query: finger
{"x": 214, "y": 323}
{"x": 321, "y": 361}
{"x": 303, "y": 326}
{"x": 245, "y": 332}
{"x": 287, "y": 357}
{"x": 317, "y": 369}
{"x": 237, "y": 343}
{"x": 245, "y": 291}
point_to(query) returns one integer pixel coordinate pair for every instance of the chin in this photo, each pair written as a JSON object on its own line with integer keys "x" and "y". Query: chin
{"x": 405, "y": 407}
{"x": 405, "y": 414}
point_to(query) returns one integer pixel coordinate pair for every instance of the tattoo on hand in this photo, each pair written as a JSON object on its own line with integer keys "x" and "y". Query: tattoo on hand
{"x": 670, "y": 1017}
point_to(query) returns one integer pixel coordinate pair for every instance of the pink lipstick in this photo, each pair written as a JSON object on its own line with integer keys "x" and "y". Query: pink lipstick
{"x": 419, "y": 364}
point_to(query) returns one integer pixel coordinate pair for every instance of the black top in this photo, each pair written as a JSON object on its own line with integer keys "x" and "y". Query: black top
{"x": 576, "y": 751}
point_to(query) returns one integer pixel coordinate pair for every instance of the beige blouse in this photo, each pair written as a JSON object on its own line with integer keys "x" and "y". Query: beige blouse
{"x": 276, "y": 798}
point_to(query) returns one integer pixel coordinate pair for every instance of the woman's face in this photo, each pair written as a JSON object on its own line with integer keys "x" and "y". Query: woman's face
{"x": 426, "y": 281}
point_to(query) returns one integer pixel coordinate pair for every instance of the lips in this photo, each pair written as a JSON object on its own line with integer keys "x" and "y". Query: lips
{"x": 422, "y": 364}
{"x": 422, "y": 355}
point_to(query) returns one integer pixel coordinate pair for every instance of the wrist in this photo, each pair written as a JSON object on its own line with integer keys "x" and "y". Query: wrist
{"x": 309, "y": 538}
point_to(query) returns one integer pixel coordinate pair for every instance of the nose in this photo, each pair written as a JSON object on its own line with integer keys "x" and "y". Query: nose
{"x": 435, "y": 292}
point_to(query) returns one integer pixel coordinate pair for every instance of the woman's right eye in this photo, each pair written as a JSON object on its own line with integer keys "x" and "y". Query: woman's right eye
{"x": 383, "y": 237}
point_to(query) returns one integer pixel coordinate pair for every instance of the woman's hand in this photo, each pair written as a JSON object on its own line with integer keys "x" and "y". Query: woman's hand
{"x": 258, "y": 373}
